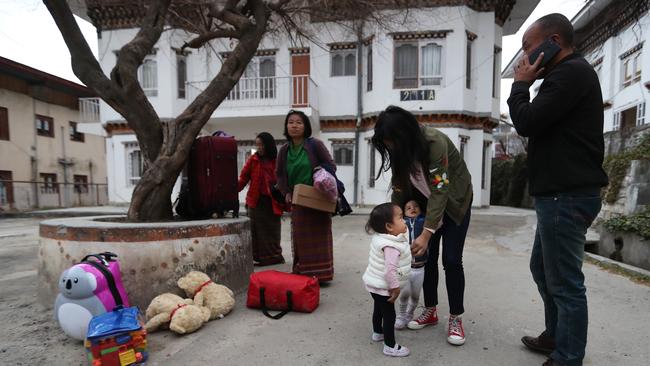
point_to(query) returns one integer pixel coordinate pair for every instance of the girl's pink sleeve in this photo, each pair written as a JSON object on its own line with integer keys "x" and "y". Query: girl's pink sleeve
{"x": 391, "y": 261}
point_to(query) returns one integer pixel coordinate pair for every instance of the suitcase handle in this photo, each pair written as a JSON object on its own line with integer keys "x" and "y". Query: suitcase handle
{"x": 109, "y": 279}
{"x": 280, "y": 314}
{"x": 104, "y": 257}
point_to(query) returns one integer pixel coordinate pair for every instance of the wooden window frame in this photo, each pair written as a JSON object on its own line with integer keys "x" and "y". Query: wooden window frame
{"x": 343, "y": 162}
{"x": 7, "y": 175}
{"x": 4, "y": 124}
{"x": 631, "y": 69}
{"x": 369, "y": 70}
{"x": 468, "y": 63}
{"x": 343, "y": 53}
{"x": 41, "y": 132}
{"x": 372, "y": 166}
{"x": 181, "y": 78}
{"x": 420, "y": 44}
{"x": 80, "y": 183}
{"x": 74, "y": 134}
{"x": 132, "y": 148}
{"x": 397, "y": 44}
{"x": 640, "y": 114}
{"x": 149, "y": 91}
{"x": 49, "y": 187}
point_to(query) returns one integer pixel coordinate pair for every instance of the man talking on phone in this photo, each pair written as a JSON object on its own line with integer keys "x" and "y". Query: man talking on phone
{"x": 564, "y": 124}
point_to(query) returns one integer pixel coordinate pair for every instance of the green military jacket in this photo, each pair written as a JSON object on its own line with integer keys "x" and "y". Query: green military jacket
{"x": 449, "y": 181}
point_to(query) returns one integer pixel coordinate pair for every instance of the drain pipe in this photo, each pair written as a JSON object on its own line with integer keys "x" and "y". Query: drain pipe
{"x": 64, "y": 163}
{"x": 34, "y": 157}
{"x": 357, "y": 128}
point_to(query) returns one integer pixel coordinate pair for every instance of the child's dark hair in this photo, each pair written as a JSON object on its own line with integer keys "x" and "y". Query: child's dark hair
{"x": 409, "y": 200}
{"x": 379, "y": 217}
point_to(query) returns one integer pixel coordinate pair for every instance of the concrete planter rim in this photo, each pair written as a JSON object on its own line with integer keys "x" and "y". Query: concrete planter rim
{"x": 89, "y": 229}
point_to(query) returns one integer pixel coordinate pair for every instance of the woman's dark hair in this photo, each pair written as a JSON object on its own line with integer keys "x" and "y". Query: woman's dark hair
{"x": 305, "y": 121}
{"x": 270, "y": 149}
{"x": 379, "y": 217}
{"x": 400, "y": 127}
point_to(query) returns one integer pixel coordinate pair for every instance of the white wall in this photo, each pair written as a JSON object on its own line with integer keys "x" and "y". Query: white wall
{"x": 611, "y": 73}
{"x": 336, "y": 95}
{"x": 118, "y": 190}
{"x": 381, "y": 192}
{"x": 478, "y": 99}
{"x": 345, "y": 173}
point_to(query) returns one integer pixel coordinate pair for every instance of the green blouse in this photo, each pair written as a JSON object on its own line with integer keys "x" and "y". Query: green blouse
{"x": 298, "y": 166}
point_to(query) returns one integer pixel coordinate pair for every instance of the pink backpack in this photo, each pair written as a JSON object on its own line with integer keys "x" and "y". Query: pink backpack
{"x": 87, "y": 289}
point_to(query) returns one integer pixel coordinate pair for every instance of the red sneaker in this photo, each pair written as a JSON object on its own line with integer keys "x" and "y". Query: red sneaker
{"x": 455, "y": 332}
{"x": 428, "y": 317}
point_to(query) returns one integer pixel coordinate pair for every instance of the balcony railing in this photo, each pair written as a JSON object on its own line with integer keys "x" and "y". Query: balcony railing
{"x": 287, "y": 91}
{"x": 89, "y": 110}
{"x": 22, "y": 194}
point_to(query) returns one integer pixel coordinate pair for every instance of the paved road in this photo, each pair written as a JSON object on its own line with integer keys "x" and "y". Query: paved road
{"x": 502, "y": 304}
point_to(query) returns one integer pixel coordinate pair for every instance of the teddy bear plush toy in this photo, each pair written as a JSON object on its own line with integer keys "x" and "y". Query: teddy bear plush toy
{"x": 218, "y": 298}
{"x": 180, "y": 315}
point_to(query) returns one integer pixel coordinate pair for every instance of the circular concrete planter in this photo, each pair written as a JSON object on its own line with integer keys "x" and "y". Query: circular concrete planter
{"x": 153, "y": 256}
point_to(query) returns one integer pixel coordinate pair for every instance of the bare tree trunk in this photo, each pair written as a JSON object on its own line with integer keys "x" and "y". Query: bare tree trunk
{"x": 153, "y": 200}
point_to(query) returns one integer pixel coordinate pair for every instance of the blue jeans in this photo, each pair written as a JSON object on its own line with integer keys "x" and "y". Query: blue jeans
{"x": 556, "y": 265}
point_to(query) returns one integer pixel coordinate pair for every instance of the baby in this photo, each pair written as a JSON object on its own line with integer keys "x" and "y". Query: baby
{"x": 410, "y": 295}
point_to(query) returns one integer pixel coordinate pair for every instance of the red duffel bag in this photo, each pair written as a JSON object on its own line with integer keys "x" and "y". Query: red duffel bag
{"x": 274, "y": 290}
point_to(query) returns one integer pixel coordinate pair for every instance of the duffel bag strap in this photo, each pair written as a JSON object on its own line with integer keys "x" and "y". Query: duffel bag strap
{"x": 265, "y": 310}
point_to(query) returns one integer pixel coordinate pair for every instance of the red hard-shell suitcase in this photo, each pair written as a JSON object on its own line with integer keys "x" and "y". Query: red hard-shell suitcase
{"x": 212, "y": 176}
{"x": 274, "y": 290}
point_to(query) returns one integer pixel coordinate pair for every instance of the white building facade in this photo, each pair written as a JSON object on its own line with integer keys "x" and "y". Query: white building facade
{"x": 443, "y": 65}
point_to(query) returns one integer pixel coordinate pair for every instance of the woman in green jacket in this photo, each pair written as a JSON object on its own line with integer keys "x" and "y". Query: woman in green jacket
{"x": 427, "y": 167}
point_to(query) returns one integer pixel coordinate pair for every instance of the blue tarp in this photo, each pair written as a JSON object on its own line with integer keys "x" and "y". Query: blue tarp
{"x": 120, "y": 320}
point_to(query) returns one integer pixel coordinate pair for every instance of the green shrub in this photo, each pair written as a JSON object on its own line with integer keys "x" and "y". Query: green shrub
{"x": 638, "y": 224}
{"x": 617, "y": 165}
{"x": 509, "y": 179}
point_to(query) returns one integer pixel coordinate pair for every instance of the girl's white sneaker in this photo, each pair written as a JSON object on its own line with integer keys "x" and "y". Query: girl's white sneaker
{"x": 397, "y": 351}
{"x": 377, "y": 337}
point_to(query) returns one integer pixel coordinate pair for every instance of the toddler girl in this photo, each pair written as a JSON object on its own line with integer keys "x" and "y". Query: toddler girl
{"x": 389, "y": 264}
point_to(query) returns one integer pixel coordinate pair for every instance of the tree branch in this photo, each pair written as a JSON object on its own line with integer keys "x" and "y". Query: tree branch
{"x": 84, "y": 64}
{"x": 142, "y": 117}
{"x": 229, "y": 14}
{"x": 194, "y": 117}
{"x": 206, "y": 37}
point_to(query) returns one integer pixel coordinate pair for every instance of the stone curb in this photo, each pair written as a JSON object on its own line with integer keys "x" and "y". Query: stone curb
{"x": 600, "y": 259}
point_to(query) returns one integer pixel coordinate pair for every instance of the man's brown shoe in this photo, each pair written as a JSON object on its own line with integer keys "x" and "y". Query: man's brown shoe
{"x": 550, "y": 362}
{"x": 541, "y": 344}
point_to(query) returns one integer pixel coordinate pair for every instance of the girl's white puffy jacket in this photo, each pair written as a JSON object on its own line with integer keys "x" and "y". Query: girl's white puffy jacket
{"x": 374, "y": 275}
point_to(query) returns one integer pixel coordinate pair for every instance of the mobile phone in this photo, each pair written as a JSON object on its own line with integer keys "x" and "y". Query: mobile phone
{"x": 549, "y": 48}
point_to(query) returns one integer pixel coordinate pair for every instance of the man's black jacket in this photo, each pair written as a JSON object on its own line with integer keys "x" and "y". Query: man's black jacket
{"x": 564, "y": 124}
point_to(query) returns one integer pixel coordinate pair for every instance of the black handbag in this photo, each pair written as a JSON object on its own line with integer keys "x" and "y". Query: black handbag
{"x": 342, "y": 206}
{"x": 277, "y": 195}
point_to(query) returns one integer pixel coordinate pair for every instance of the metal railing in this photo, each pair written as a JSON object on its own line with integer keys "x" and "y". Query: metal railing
{"x": 24, "y": 194}
{"x": 288, "y": 91}
{"x": 89, "y": 109}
